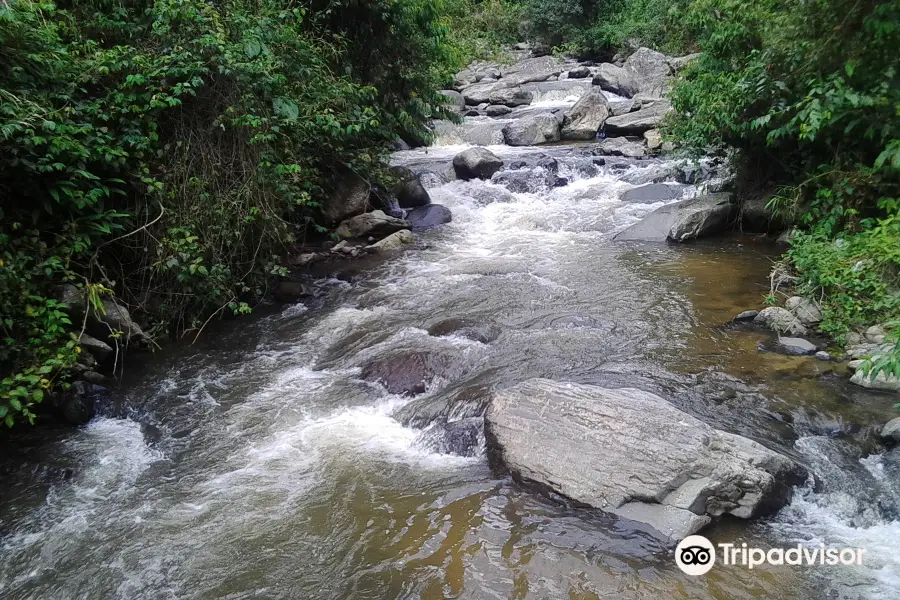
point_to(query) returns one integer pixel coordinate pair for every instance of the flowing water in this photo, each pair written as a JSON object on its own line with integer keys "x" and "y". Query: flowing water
{"x": 258, "y": 464}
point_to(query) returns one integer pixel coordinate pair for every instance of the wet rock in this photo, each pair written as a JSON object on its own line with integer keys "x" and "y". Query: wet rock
{"x": 875, "y": 334}
{"x": 883, "y": 382}
{"x": 757, "y": 217}
{"x": 76, "y": 405}
{"x": 822, "y": 355}
{"x": 395, "y": 241}
{"x": 621, "y": 146}
{"x": 409, "y": 191}
{"x": 426, "y": 217}
{"x": 682, "y": 221}
{"x": 410, "y": 373}
{"x": 781, "y": 320}
{"x": 350, "y": 198}
{"x": 479, "y": 332}
{"x": 549, "y": 164}
{"x": 631, "y": 453}
{"x": 511, "y": 97}
{"x": 796, "y": 346}
{"x": 400, "y": 145}
{"x": 653, "y": 193}
{"x": 375, "y": 223}
{"x": 93, "y": 377}
{"x": 455, "y": 100}
{"x": 804, "y": 309}
{"x": 461, "y": 438}
{"x": 653, "y": 139}
{"x": 615, "y": 79}
{"x": 579, "y": 73}
{"x": 497, "y": 111}
{"x": 638, "y": 122}
{"x": 116, "y": 318}
{"x": 97, "y": 348}
{"x": 306, "y": 259}
{"x": 291, "y": 291}
{"x": 650, "y": 173}
{"x": 532, "y": 131}
{"x": 583, "y": 120}
{"x": 890, "y": 432}
{"x": 476, "y": 163}
{"x": 747, "y": 315}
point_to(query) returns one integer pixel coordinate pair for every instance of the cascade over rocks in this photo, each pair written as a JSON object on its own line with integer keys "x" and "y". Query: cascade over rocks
{"x": 587, "y": 116}
{"x": 476, "y": 163}
{"x": 631, "y": 453}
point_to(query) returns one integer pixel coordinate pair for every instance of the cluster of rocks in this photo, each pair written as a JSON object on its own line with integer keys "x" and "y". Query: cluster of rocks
{"x": 493, "y": 90}
{"x": 799, "y": 318}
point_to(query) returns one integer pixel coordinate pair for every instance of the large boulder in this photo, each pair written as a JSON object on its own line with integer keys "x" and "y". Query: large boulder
{"x": 116, "y": 319}
{"x": 427, "y": 217}
{"x": 531, "y": 131}
{"x": 615, "y": 79}
{"x": 587, "y": 116}
{"x": 780, "y": 320}
{"x": 454, "y": 100}
{"x": 639, "y": 121}
{"x": 511, "y": 97}
{"x": 650, "y": 71}
{"x": 409, "y": 191}
{"x": 804, "y": 309}
{"x": 497, "y": 111}
{"x": 98, "y": 349}
{"x": 631, "y": 453}
{"x": 883, "y": 382}
{"x": 757, "y": 217}
{"x": 476, "y": 163}
{"x": 685, "y": 220}
{"x": 350, "y": 198}
{"x": 375, "y": 223}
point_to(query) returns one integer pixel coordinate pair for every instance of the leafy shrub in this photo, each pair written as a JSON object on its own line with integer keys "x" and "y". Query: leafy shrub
{"x": 171, "y": 149}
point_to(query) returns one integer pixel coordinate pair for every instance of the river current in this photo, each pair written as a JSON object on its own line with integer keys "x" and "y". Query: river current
{"x": 258, "y": 464}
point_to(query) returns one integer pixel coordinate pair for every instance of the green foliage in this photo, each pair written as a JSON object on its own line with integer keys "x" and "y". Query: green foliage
{"x": 171, "y": 149}
{"x": 481, "y": 30}
{"x": 601, "y": 27}
{"x": 809, "y": 95}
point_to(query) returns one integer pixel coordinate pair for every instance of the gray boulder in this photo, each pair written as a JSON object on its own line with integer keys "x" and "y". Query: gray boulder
{"x": 476, "y": 163}
{"x": 455, "y": 100}
{"x": 409, "y": 191}
{"x": 623, "y": 107}
{"x": 640, "y": 121}
{"x": 579, "y": 73}
{"x": 426, "y": 217}
{"x": 650, "y": 71}
{"x": 747, "y": 315}
{"x": 883, "y": 382}
{"x": 796, "y": 346}
{"x": 616, "y": 80}
{"x": 781, "y": 320}
{"x": 96, "y": 348}
{"x": 497, "y": 111}
{"x": 621, "y": 146}
{"x": 511, "y": 97}
{"x": 653, "y": 193}
{"x": 685, "y": 220}
{"x": 375, "y": 223}
{"x": 804, "y": 309}
{"x": 587, "y": 116}
{"x": 631, "y": 453}
{"x": 350, "y": 198}
{"x": 531, "y": 131}
{"x": 653, "y": 138}
{"x": 116, "y": 318}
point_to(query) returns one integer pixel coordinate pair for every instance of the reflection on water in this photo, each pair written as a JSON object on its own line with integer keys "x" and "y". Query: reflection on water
{"x": 259, "y": 464}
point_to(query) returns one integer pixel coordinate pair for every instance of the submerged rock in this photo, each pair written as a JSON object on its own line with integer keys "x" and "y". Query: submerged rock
{"x": 410, "y": 373}
{"x": 476, "y": 163}
{"x": 781, "y": 320}
{"x": 631, "y": 453}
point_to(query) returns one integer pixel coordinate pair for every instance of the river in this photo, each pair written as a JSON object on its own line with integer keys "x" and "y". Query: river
{"x": 257, "y": 463}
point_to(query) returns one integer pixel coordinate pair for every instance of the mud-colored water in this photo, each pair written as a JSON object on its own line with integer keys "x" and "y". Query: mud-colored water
{"x": 257, "y": 464}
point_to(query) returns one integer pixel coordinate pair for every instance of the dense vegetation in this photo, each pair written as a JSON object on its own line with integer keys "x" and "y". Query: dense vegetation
{"x": 169, "y": 150}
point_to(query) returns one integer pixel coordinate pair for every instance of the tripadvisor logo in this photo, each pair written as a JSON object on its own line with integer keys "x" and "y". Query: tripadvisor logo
{"x": 696, "y": 555}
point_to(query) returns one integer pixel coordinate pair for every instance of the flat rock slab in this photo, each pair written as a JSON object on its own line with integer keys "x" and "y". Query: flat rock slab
{"x": 685, "y": 220}
{"x": 631, "y": 453}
